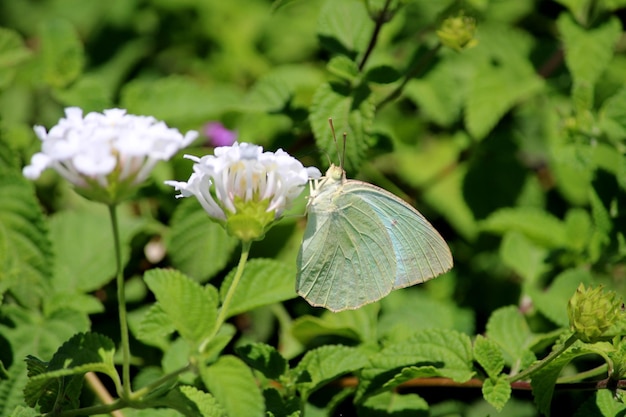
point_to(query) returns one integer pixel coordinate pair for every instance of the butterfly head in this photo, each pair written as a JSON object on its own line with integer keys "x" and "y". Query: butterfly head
{"x": 335, "y": 173}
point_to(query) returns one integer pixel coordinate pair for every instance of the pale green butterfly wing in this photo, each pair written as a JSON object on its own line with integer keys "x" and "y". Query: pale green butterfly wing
{"x": 420, "y": 251}
{"x": 346, "y": 257}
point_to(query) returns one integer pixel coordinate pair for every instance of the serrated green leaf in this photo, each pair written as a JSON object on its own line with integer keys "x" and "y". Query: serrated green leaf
{"x": 489, "y": 355}
{"x": 538, "y": 225}
{"x": 588, "y": 51}
{"x": 83, "y": 353}
{"x": 394, "y": 404}
{"x": 22, "y": 411}
{"x": 264, "y": 281}
{"x": 415, "y": 372}
{"x": 352, "y": 113}
{"x": 233, "y": 385}
{"x": 155, "y": 326}
{"x": 192, "y": 308}
{"x": 62, "y": 52}
{"x": 264, "y": 358}
{"x": 553, "y": 301}
{"x": 344, "y": 27}
{"x": 206, "y": 404}
{"x": 12, "y": 389}
{"x": 497, "y": 391}
{"x": 544, "y": 380}
{"x": 447, "y": 351}
{"x": 326, "y": 363}
{"x": 197, "y": 246}
{"x": 26, "y": 256}
{"x": 344, "y": 68}
{"x": 82, "y": 266}
{"x": 508, "y": 328}
{"x": 359, "y": 325}
{"x": 523, "y": 256}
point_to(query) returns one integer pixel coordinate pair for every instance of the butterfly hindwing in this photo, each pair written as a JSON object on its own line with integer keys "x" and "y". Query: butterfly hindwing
{"x": 420, "y": 252}
{"x": 346, "y": 259}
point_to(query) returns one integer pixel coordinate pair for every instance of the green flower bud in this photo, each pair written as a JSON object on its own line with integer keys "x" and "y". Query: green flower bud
{"x": 458, "y": 32}
{"x": 593, "y": 311}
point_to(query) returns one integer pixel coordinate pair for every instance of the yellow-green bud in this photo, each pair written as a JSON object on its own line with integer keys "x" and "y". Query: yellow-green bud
{"x": 458, "y": 32}
{"x": 251, "y": 220}
{"x": 593, "y": 311}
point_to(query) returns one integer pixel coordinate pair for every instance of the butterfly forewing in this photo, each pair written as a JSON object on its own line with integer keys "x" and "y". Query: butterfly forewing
{"x": 346, "y": 257}
{"x": 420, "y": 252}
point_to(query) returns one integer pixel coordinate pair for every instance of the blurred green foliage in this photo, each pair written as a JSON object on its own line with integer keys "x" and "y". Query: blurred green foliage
{"x": 512, "y": 144}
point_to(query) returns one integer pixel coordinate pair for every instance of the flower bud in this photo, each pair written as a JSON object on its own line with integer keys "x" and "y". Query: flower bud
{"x": 593, "y": 311}
{"x": 458, "y": 32}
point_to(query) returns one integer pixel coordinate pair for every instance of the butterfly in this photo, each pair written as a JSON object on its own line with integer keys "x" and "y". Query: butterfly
{"x": 361, "y": 242}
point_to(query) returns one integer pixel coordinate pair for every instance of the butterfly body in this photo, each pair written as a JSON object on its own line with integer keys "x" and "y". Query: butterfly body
{"x": 361, "y": 242}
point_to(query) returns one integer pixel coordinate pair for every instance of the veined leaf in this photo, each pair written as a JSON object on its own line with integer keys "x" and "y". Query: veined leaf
{"x": 524, "y": 256}
{"x": 489, "y": 355}
{"x": 196, "y": 245}
{"x": 191, "y": 308}
{"x": 264, "y": 281}
{"x": 205, "y": 402}
{"x": 25, "y": 255}
{"x": 326, "y": 363}
{"x": 155, "y": 326}
{"x": 352, "y": 113}
{"x": 233, "y": 385}
{"x": 391, "y": 403}
{"x": 508, "y": 328}
{"x": 497, "y": 391}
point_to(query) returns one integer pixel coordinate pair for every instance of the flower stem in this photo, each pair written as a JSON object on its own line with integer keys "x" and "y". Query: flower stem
{"x": 121, "y": 301}
{"x": 540, "y": 364}
{"x": 221, "y": 316}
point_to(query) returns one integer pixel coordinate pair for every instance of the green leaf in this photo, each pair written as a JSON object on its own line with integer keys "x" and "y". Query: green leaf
{"x": 155, "y": 326}
{"x": 205, "y": 403}
{"x": 25, "y": 252}
{"x": 497, "y": 391}
{"x": 448, "y": 352}
{"x": 502, "y": 78}
{"x": 544, "y": 380}
{"x": 588, "y": 51}
{"x": 382, "y": 74}
{"x": 62, "y": 54}
{"x": 264, "y": 281}
{"x": 22, "y": 411}
{"x": 538, "y": 225}
{"x": 82, "y": 266}
{"x": 323, "y": 364}
{"x": 85, "y": 352}
{"x": 553, "y": 302}
{"x": 344, "y": 27}
{"x": 264, "y": 358}
{"x": 508, "y": 328}
{"x": 394, "y": 404}
{"x": 12, "y": 389}
{"x": 196, "y": 245}
{"x": 489, "y": 355}
{"x": 359, "y": 325}
{"x": 178, "y": 100}
{"x": 12, "y": 54}
{"x": 578, "y": 228}
{"x": 602, "y": 403}
{"x": 344, "y": 68}
{"x": 523, "y": 256}
{"x": 191, "y": 308}
{"x": 352, "y": 113}
{"x": 233, "y": 385}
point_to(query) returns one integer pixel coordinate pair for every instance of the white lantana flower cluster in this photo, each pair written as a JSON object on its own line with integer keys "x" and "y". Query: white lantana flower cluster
{"x": 245, "y": 188}
{"x": 105, "y": 155}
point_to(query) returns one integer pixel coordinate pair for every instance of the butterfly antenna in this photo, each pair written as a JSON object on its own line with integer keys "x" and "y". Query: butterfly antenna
{"x": 332, "y": 129}
{"x": 343, "y": 153}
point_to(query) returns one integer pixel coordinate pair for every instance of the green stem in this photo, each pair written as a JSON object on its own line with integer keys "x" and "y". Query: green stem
{"x": 598, "y": 371}
{"x": 221, "y": 316}
{"x": 540, "y": 364}
{"x": 89, "y": 411}
{"x": 124, "y": 391}
{"x": 155, "y": 384}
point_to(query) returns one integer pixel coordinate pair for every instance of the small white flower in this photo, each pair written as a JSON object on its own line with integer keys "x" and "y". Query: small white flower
{"x": 113, "y": 151}
{"x": 243, "y": 178}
